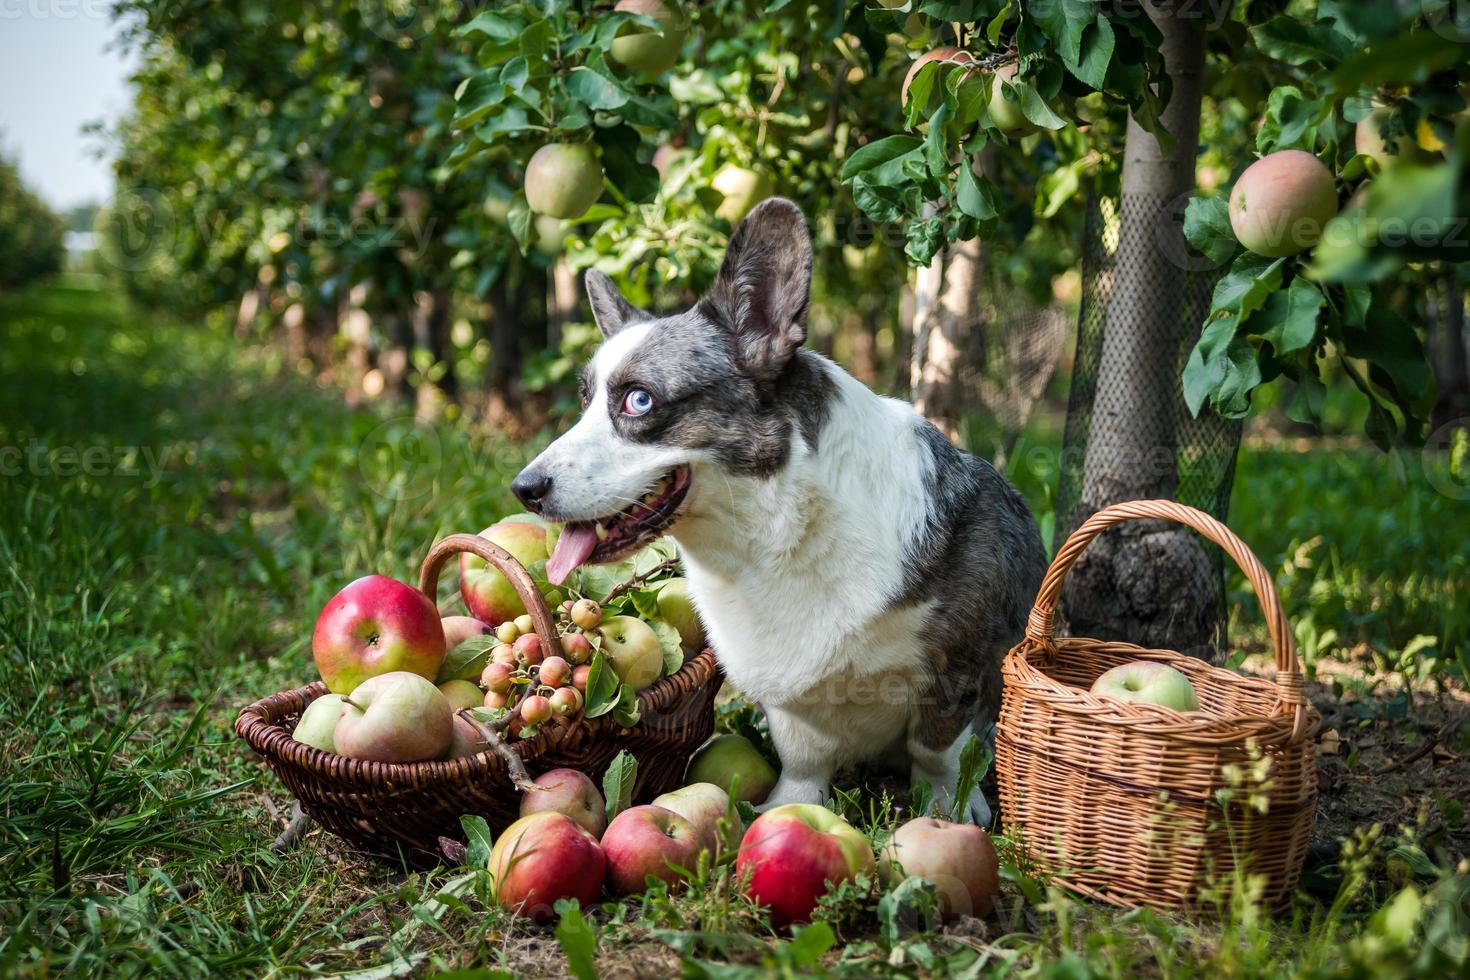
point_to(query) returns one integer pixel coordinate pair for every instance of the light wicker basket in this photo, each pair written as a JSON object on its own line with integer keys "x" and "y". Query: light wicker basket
{"x": 1138, "y": 804}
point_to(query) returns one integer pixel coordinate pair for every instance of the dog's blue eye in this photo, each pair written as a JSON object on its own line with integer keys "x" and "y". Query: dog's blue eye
{"x": 637, "y": 402}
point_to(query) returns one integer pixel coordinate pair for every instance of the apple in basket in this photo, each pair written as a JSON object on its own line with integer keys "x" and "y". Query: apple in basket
{"x": 488, "y": 593}
{"x": 647, "y": 841}
{"x": 707, "y": 808}
{"x": 1147, "y": 682}
{"x": 373, "y": 626}
{"x": 957, "y": 858}
{"x": 632, "y": 649}
{"x": 395, "y": 717}
{"x": 541, "y": 858}
{"x": 792, "y": 853}
{"x": 318, "y": 723}
{"x": 570, "y": 793}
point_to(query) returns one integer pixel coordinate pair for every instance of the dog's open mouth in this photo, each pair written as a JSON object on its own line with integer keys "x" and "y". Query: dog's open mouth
{"x": 610, "y": 538}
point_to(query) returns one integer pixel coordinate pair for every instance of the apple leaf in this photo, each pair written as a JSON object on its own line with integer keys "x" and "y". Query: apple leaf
{"x": 913, "y": 903}
{"x": 626, "y": 711}
{"x": 921, "y": 797}
{"x": 577, "y": 939}
{"x": 477, "y": 832}
{"x": 645, "y": 602}
{"x": 810, "y": 943}
{"x": 602, "y": 687}
{"x": 617, "y": 783}
{"x": 974, "y": 762}
{"x": 467, "y": 661}
{"x": 672, "y": 644}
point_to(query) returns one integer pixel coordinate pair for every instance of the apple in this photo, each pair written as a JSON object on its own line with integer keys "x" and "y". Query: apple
{"x": 528, "y": 648}
{"x": 553, "y": 672}
{"x": 677, "y": 609}
{"x": 1280, "y": 204}
{"x": 373, "y": 626}
{"x": 458, "y": 629}
{"x": 395, "y": 717}
{"x": 643, "y": 50}
{"x": 462, "y": 694}
{"x": 498, "y": 677}
{"x": 524, "y": 624}
{"x": 319, "y": 722}
{"x": 957, "y": 858}
{"x": 947, "y": 54}
{"x": 566, "y": 702}
{"x": 735, "y": 765}
{"x": 489, "y": 594}
{"x": 543, "y": 857}
{"x": 551, "y": 236}
{"x": 791, "y": 854}
{"x": 570, "y": 793}
{"x": 706, "y": 807}
{"x": 1004, "y": 114}
{"x": 1147, "y": 682}
{"x": 1368, "y": 140}
{"x": 743, "y": 189}
{"x": 466, "y": 740}
{"x": 645, "y": 841}
{"x": 632, "y": 649}
{"x": 536, "y": 710}
{"x": 497, "y": 699}
{"x": 579, "y": 677}
{"x": 586, "y": 614}
{"x": 562, "y": 181}
{"x": 576, "y": 648}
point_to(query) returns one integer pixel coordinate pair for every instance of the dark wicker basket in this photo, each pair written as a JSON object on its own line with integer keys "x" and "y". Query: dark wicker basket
{"x": 401, "y": 810}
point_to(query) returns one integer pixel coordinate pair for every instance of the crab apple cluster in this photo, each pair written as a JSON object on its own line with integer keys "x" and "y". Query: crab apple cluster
{"x": 539, "y": 686}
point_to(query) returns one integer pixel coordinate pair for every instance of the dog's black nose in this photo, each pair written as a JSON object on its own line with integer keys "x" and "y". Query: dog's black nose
{"x": 532, "y": 487}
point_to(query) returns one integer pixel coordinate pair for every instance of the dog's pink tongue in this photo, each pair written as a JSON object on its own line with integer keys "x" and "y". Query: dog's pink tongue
{"x": 575, "y": 546}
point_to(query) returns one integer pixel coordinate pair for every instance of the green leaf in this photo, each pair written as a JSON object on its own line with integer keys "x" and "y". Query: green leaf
{"x": 670, "y": 642}
{"x": 1289, "y": 38}
{"x": 972, "y": 196}
{"x": 1291, "y": 120}
{"x": 493, "y": 25}
{"x": 468, "y": 660}
{"x": 974, "y": 763}
{"x": 1411, "y": 212}
{"x": 626, "y": 712}
{"x": 634, "y": 179}
{"x": 479, "y": 840}
{"x": 602, "y": 687}
{"x": 520, "y": 220}
{"x": 1206, "y": 366}
{"x": 1033, "y": 106}
{"x": 617, "y": 783}
{"x": 1288, "y": 320}
{"x": 1207, "y": 228}
{"x": 810, "y": 943}
{"x": 877, "y": 153}
{"x": 577, "y": 939}
{"x": 594, "y": 90}
{"x": 912, "y": 903}
{"x": 1246, "y": 285}
{"x": 1305, "y": 404}
{"x": 1391, "y": 345}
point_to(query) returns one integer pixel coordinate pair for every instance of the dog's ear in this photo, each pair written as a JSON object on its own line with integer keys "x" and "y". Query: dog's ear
{"x": 764, "y": 286}
{"x": 610, "y": 311}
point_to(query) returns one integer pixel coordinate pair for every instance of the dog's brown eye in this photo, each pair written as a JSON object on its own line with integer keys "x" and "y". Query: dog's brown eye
{"x": 637, "y": 402}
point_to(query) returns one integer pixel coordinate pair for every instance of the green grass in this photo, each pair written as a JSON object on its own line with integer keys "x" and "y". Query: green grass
{"x": 173, "y": 511}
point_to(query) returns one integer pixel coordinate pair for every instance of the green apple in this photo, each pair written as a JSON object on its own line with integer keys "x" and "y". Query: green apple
{"x": 1004, "y": 114}
{"x": 563, "y": 180}
{"x": 1147, "y": 682}
{"x": 643, "y": 50}
{"x": 677, "y": 609}
{"x": 633, "y": 651}
{"x": 743, "y": 189}
{"x": 462, "y": 694}
{"x": 395, "y": 717}
{"x": 732, "y": 763}
{"x": 489, "y": 594}
{"x": 319, "y": 722}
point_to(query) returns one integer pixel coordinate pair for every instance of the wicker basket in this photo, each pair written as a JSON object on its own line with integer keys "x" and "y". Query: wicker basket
{"x": 1139, "y": 804}
{"x": 401, "y": 811}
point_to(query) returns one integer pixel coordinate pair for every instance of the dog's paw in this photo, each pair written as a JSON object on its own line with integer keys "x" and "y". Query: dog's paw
{"x": 794, "y": 791}
{"x": 980, "y": 814}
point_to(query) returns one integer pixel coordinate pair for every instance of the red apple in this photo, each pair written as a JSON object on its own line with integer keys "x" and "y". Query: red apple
{"x": 647, "y": 840}
{"x": 395, "y": 717}
{"x": 707, "y": 808}
{"x": 570, "y": 793}
{"x": 373, "y": 626}
{"x": 458, "y": 629}
{"x": 576, "y": 648}
{"x": 528, "y": 647}
{"x": 541, "y": 858}
{"x": 794, "y": 852}
{"x": 566, "y": 702}
{"x": 957, "y": 858}
{"x": 554, "y": 672}
{"x": 489, "y": 594}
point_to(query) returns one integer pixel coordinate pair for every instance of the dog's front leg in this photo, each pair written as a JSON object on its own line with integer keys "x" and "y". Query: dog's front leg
{"x": 808, "y": 758}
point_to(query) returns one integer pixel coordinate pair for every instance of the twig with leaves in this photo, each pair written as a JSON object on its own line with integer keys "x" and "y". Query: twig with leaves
{"x": 634, "y": 581}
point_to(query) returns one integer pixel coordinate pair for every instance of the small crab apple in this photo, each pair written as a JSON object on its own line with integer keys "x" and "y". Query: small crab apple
{"x": 566, "y": 702}
{"x": 535, "y": 710}
{"x": 554, "y": 671}
{"x": 525, "y": 624}
{"x": 504, "y": 654}
{"x": 498, "y": 678}
{"x": 528, "y": 647}
{"x": 586, "y": 614}
{"x": 496, "y": 699}
{"x": 506, "y": 632}
{"x": 576, "y": 648}
{"x": 579, "y": 677}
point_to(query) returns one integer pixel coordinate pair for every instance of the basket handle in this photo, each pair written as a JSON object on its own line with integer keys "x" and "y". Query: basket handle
{"x": 1041, "y": 626}
{"x": 513, "y": 570}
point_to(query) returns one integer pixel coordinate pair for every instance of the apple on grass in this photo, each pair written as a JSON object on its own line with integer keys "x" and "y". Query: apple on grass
{"x": 645, "y": 841}
{"x": 707, "y": 808}
{"x": 1147, "y": 682}
{"x": 373, "y": 626}
{"x": 543, "y": 857}
{"x": 792, "y": 854}
{"x": 735, "y": 765}
{"x": 318, "y": 723}
{"x": 957, "y": 858}
{"x": 487, "y": 593}
{"x": 570, "y": 793}
{"x": 395, "y": 717}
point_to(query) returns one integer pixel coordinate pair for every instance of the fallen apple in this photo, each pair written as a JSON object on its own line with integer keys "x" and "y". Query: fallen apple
{"x": 373, "y": 626}
{"x": 462, "y": 694}
{"x": 632, "y": 649}
{"x": 1281, "y": 202}
{"x": 707, "y": 808}
{"x": 735, "y": 765}
{"x": 570, "y": 793}
{"x": 319, "y": 722}
{"x": 395, "y": 717}
{"x": 958, "y": 859}
{"x": 792, "y": 854}
{"x": 489, "y": 594}
{"x": 647, "y": 841}
{"x": 677, "y": 609}
{"x": 543, "y": 857}
{"x": 1147, "y": 682}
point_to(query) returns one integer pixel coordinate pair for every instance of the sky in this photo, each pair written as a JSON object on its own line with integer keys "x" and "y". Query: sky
{"x": 59, "y": 70}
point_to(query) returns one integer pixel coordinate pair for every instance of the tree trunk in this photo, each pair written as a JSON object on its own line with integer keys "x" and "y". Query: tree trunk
{"x": 941, "y": 361}
{"x": 396, "y": 362}
{"x": 1450, "y": 369}
{"x": 562, "y": 305}
{"x": 1145, "y": 582}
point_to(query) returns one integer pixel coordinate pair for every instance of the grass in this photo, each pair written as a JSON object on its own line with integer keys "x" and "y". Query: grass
{"x": 173, "y": 511}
